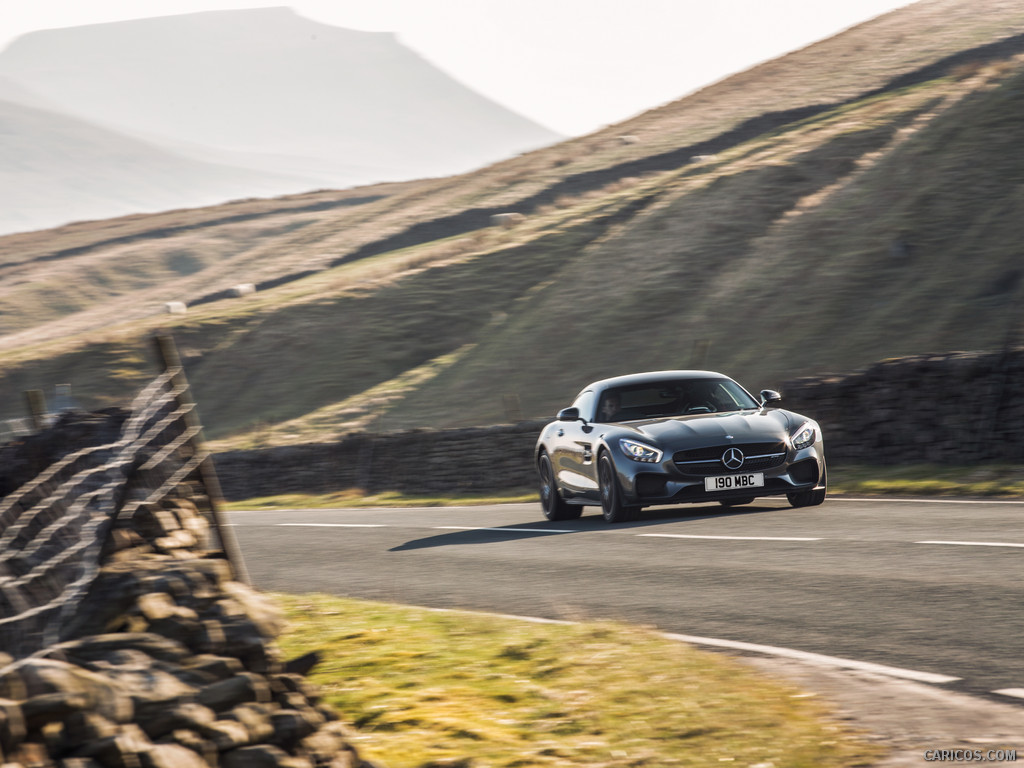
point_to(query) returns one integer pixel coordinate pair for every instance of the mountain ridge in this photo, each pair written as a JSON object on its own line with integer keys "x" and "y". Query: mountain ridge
{"x": 263, "y": 53}
{"x": 54, "y": 166}
{"x": 303, "y": 104}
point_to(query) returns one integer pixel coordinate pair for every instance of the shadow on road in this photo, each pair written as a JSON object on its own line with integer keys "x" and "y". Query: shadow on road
{"x": 589, "y": 523}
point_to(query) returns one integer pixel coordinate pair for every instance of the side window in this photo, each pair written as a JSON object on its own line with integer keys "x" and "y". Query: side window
{"x": 585, "y": 402}
{"x": 612, "y": 407}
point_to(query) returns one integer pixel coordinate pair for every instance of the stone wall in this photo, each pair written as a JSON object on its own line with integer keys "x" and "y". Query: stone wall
{"x": 475, "y": 460}
{"x": 171, "y": 664}
{"x": 167, "y": 661}
{"x": 24, "y": 458}
{"x": 954, "y": 408}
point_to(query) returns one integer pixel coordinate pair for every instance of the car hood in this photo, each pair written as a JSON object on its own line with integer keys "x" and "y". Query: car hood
{"x": 714, "y": 428}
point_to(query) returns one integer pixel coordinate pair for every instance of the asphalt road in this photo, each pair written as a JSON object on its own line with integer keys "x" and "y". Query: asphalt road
{"x": 929, "y": 586}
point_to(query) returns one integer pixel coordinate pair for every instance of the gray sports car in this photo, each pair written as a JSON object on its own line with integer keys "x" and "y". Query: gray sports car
{"x": 672, "y": 437}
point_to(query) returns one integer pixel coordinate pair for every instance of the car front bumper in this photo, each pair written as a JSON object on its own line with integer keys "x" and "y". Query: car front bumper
{"x": 665, "y": 483}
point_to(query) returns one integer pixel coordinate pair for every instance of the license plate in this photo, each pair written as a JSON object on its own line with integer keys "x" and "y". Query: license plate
{"x": 734, "y": 482}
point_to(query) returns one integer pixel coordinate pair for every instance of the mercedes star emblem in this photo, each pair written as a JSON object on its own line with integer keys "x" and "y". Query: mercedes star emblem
{"x": 733, "y": 458}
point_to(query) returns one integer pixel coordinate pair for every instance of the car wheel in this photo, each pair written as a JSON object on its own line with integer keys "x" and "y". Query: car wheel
{"x": 810, "y": 498}
{"x": 736, "y": 502}
{"x": 611, "y": 494}
{"x": 551, "y": 500}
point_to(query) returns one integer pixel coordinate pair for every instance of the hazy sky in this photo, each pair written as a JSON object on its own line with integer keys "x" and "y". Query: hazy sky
{"x": 571, "y": 65}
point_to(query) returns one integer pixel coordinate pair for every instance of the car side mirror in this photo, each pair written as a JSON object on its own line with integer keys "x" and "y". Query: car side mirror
{"x": 568, "y": 414}
{"x": 770, "y": 398}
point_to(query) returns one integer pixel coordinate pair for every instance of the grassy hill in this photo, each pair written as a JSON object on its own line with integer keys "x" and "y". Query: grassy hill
{"x": 54, "y": 167}
{"x": 848, "y": 202}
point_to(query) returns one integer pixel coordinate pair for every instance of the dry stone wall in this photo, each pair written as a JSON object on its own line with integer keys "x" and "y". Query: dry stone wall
{"x": 475, "y": 460}
{"x": 953, "y": 408}
{"x": 167, "y": 661}
{"x": 172, "y": 665}
{"x": 27, "y": 457}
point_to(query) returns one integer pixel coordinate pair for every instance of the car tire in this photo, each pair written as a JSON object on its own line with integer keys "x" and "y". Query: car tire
{"x": 810, "y": 498}
{"x": 612, "y": 508}
{"x": 736, "y": 502}
{"x": 551, "y": 501}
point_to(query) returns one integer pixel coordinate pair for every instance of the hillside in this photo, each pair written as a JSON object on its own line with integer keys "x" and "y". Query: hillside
{"x": 865, "y": 210}
{"x": 268, "y": 90}
{"x": 54, "y": 167}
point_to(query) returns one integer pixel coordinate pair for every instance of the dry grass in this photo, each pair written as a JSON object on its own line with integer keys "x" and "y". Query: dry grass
{"x": 986, "y": 480}
{"x": 425, "y": 687}
{"x": 356, "y": 498}
{"x": 997, "y": 481}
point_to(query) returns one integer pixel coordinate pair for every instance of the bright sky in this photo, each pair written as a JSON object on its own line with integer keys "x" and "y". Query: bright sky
{"x": 571, "y": 65}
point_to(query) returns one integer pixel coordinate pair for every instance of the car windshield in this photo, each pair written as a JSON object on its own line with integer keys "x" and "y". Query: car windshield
{"x": 673, "y": 397}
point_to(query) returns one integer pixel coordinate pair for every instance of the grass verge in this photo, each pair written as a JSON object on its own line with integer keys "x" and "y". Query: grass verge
{"x": 354, "y": 497}
{"x": 438, "y": 688}
{"x": 988, "y": 480}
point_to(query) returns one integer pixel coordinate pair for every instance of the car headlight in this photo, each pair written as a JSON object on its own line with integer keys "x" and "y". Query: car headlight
{"x": 804, "y": 437}
{"x": 640, "y": 452}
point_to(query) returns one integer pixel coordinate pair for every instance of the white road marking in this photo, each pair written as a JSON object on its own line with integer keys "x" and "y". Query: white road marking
{"x": 817, "y": 658}
{"x": 332, "y": 525}
{"x": 727, "y": 538}
{"x": 513, "y": 530}
{"x": 767, "y": 650}
{"x": 973, "y": 543}
{"x": 649, "y": 536}
{"x": 1017, "y": 693}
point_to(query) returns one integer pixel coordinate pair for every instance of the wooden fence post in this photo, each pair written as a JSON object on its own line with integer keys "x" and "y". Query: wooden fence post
{"x": 36, "y": 408}
{"x": 167, "y": 353}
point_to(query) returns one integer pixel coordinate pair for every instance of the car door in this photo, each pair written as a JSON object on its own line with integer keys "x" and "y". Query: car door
{"x": 573, "y": 457}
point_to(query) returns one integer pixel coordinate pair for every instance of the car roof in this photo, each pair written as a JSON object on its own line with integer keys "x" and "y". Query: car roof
{"x": 651, "y": 376}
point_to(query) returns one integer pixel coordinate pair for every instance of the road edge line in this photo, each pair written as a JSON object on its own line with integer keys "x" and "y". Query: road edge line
{"x": 766, "y": 650}
{"x": 816, "y": 658}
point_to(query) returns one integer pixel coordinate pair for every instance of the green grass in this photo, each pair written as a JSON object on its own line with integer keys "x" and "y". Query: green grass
{"x": 285, "y": 356}
{"x": 353, "y": 497}
{"x": 987, "y": 480}
{"x": 432, "y": 688}
{"x": 689, "y": 267}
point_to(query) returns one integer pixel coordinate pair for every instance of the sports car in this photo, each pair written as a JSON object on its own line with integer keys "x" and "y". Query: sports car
{"x": 672, "y": 437}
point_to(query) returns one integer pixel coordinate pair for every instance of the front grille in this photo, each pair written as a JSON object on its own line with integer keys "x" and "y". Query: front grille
{"x": 701, "y": 462}
{"x": 714, "y": 452}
